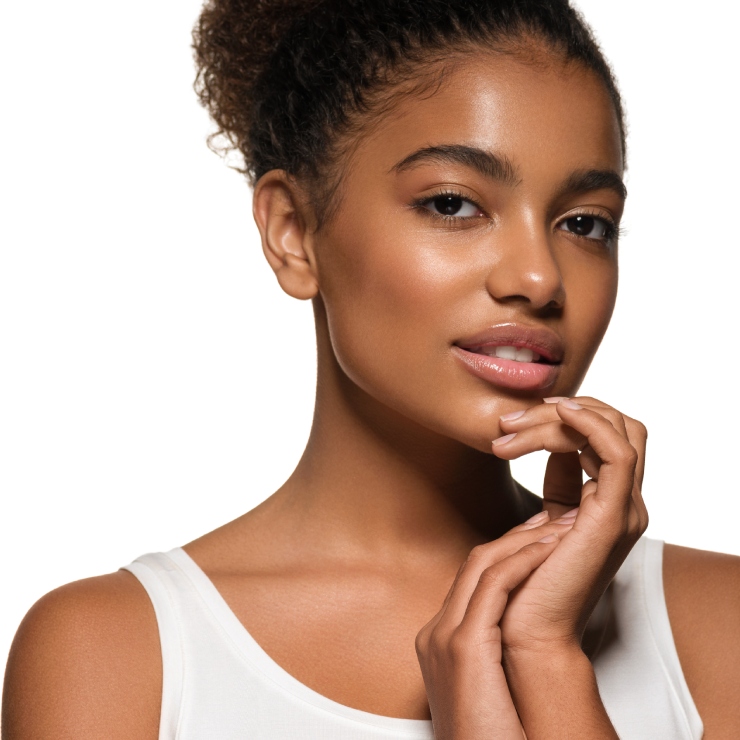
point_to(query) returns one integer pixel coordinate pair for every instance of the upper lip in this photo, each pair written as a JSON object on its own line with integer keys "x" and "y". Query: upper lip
{"x": 539, "y": 339}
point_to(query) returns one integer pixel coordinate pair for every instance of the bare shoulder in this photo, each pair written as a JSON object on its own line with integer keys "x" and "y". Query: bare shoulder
{"x": 85, "y": 663}
{"x": 702, "y": 592}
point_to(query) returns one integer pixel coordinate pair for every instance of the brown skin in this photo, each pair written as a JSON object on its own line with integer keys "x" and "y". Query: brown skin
{"x": 398, "y": 482}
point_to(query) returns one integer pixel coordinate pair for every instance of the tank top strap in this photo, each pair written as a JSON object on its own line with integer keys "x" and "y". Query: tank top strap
{"x": 636, "y": 664}
{"x": 166, "y": 587}
{"x": 657, "y": 612}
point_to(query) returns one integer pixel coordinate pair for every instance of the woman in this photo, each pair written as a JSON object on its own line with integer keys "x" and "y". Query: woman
{"x": 444, "y": 182}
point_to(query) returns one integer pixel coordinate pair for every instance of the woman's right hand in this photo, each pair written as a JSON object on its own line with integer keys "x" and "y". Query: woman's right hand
{"x": 459, "y": 650}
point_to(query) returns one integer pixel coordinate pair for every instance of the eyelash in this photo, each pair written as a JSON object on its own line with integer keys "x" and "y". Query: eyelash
{"x": 613, "y": 231}
{"x": 446, "y": 193}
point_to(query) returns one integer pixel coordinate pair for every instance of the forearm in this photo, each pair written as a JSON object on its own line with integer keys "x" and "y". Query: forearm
{"x": 556, "y": 695}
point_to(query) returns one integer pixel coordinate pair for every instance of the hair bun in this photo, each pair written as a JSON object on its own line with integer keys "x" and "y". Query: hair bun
{"x": 233, "y": 41}
{"x": 284, "y": 80}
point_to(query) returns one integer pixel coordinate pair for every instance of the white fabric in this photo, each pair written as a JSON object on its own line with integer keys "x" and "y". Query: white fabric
{"x": 219, "y": 683}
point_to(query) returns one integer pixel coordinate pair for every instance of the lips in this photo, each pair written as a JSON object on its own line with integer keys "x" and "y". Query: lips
{"x": 513, "y": 356}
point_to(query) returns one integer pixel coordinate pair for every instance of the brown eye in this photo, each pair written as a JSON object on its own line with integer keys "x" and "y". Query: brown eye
{"x": 589, "y": 226}
{"x": 452, "y": 205}
{"x": 448, "y": 205}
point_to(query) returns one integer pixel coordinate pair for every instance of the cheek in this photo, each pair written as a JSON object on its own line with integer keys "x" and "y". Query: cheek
{"x": 589, "y": 308}
{"x": 386, "y": 300}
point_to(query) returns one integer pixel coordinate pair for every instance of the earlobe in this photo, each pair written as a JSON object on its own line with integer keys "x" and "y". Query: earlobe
{"x": 279, "y": 213}
{"x": 296, "y": 277}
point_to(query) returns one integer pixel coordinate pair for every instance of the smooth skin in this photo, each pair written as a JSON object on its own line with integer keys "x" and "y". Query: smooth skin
{"x": 400, "y": 503}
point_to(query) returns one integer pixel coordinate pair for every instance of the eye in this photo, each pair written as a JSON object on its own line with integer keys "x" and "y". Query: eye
{"x": 448, "y": 204}
{"x": 591, "y": 227}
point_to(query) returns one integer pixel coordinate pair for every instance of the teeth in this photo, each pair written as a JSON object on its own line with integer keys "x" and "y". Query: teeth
{"x": 525, "y": 355}
{"x": 506, "y": 353}
{"x": 518, "y": 354}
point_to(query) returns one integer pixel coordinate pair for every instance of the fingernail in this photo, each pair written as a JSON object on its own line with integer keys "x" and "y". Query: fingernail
{"x": 538, "y": 518}
{"x": 549, "y": 538}
{"x": 554, "y": 399}
{"x": 513, "y": 415}
{"x": 565, "y": 524}
{"x": 503, "y": 440}
{"x": 572, "y": 514}
{"x": 571, "y": 404}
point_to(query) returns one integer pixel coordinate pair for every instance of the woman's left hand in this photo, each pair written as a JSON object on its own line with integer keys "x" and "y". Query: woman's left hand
{"x": 552, "y": 607}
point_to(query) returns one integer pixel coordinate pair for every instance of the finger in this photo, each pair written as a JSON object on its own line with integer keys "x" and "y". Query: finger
{"x": 561, "y": 489}
{"x": 432, "y": 623}
{"x": 542, "y": 517}
{"x": 488, "y": 601}
{"x": 637, "y": 434}
{"x": 547, "y": 412}
{"x": 552, "y": 436}
{"x": 615, "y": 416}
{"x": 484, "y": 556}
{"x": 537, "y": 520}
{"x": 618, "y": 457}
{"x": 590, "y": 462}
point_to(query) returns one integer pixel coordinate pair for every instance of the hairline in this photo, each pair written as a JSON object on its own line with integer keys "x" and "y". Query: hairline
{"x": 430, "y": 74}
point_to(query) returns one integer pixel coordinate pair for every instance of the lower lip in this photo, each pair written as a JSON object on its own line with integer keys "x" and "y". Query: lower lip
{"x": 520, "y": 376}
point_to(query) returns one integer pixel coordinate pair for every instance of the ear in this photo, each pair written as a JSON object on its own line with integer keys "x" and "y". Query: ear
{"x": 281, "y": 215}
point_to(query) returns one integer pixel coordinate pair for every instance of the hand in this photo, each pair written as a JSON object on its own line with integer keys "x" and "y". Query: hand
{"x": 460, "y": 649}
{"x": 552, "y": 608}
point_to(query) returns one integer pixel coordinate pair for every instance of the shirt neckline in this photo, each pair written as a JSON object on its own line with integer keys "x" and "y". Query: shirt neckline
{"x": 256, "y": 656}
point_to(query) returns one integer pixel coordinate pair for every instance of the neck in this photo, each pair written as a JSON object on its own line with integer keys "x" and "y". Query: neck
{"x": 373, "y": 482}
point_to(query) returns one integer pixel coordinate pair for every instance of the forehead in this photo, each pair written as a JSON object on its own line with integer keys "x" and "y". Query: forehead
{"x": 545, "y": 117}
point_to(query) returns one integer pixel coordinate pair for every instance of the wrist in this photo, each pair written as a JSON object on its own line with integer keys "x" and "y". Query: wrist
{"x": 555, "y": 693}
{"x": 545, "y": 657}
{"x": 562, "y": 668}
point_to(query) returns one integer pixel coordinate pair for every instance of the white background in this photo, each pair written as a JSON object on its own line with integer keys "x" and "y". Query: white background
{"x": 136, "y": 408}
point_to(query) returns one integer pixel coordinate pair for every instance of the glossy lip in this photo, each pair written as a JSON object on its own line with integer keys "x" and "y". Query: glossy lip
{"x": 523, "y": 376}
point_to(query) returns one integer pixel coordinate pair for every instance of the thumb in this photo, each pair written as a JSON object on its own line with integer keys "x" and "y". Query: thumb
{"x": 561, "y": 490}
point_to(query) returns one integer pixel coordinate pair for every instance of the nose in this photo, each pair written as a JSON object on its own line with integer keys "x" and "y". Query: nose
{"x": 526, "y": 270}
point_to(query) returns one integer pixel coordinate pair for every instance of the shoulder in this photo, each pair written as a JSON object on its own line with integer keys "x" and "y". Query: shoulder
{"x": 85, "y": 663}
{"x": 702, "y": 591}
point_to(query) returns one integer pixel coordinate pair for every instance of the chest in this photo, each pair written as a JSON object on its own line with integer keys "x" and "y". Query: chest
{"x": 351, "y": 639}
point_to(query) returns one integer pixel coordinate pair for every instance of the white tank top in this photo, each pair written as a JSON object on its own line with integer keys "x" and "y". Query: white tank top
{"x": 219, "y": 683}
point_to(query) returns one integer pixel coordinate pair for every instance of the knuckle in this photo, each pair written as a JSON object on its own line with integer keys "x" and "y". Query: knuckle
{"x": 640, "y": 429}
{"x": 491, "y": 579}
{"x": 589, "y": 400}
{"x": 627, "y": 455}
{"x": 622, "y": 531}
{"x": 437, "y": 642}
{"x": 644, "y": 519}
{"x": 459, "y": 643}
{"x": 636, "y": 427}
{"x": 477, "y": 554}
{"x": 422, "y": 643}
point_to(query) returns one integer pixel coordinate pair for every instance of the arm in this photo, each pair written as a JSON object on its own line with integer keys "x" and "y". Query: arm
{"x": 85, "y": 663}
{"x": 557, "y": 696}
{"x": 460, "y": 649}
{"x": 702, "y": 591}
{"x": 550, "y": 678}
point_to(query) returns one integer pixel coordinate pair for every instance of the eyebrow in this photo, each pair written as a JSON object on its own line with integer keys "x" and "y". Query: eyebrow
{"x": 499, "y": 167}
{"x": 587, "y": 180}
{"x": 493, "y": 166}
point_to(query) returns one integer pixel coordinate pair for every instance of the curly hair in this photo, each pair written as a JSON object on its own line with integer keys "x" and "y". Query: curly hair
{"x": 285, "y": 79}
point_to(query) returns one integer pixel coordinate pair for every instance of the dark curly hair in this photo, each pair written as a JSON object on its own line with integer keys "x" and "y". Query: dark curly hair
{"x": 284, "y": 80}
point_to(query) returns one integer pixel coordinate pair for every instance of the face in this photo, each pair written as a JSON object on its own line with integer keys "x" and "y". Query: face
{"x": 471, "y": 267}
